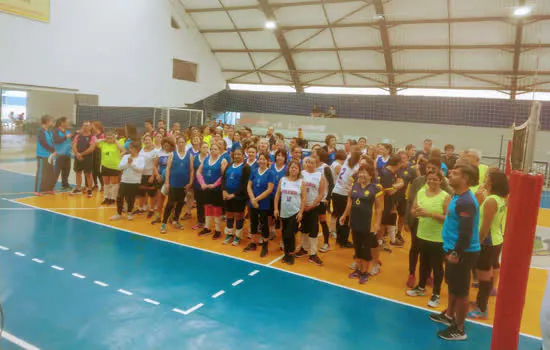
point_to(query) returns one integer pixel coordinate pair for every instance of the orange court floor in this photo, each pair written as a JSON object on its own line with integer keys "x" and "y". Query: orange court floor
{"x": 390, "y": 283}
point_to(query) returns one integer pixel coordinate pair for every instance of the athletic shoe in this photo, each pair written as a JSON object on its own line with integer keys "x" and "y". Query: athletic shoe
{"x": 325, "y": 248}
{"x": 374, "y": 270}
{"x": 397, "y": 243}
{"x": 105, "y": 201}
{"x": 137, "y": 212}
{"x": 115, "y": 217}
{"x": 333, "y": 235}
{"x": 301, "y": 253}
{"x": 186, "y": 216}
{"x": 130, "y": 217}
{"x": 150, "y": 214}
{"x": 430, "y": 281}
{"x": 197, "y": 226}
{"x": 442, "y": 318}
{"x": 228, "y": 239}
{"x": 251, "y": 247}
{"x": 477, "y": 314}
{"x": 163, "y": 228}
{"x": 204, "y": 232}
{"x": 111, "y": 202}
{"x": 236, "y": 241}
{"x": 66, "y": 188}
{"x": 156, "y": 221}
{"x": 452, "y": 333}
{"x": 264, "y": 250}
{"x": 177, "y": 225}
{"x": 354, "y": 266}
{"x": 217, "y": 234}
{"x": 363, "y": 278}
{"x": 355, "y": 274}
{"x": 285, "y": 259}
{"x": 291, "y": 259}
{"x": 347, "y": 245}
{"x": 416, "y": 292}
{"x": 434, "y": 301}
{"x": 493, "y": 292}
{"x": 411, "y": 281}
{"x": 76, "y": 191}
{"x": 314, "y": 259}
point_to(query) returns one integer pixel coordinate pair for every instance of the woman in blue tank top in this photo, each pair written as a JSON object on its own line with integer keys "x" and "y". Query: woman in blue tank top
{"x": 234, "y": 184}
{"x": 210, "y": 178}
{"x": 223, "y": 151}
{"x": 279, "y": 170}
{"x": 179, "y": 178}
{"x": 197, "y": 190}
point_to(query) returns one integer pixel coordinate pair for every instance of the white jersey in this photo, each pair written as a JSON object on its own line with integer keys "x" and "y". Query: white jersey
{"x": 149, "y": 159}
{"x": 343, "y": 180}
{"x": 312, "y": 182}
{"x": 291, "y": 197}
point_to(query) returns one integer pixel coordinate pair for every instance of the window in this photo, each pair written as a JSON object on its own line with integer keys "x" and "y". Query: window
{"x": 183, "y": 70}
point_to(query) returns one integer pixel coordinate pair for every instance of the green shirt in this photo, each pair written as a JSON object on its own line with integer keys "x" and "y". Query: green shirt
{"x": 496, "y": 232}
{"x": 429, "y": 229}
{"x": 110, "y": 155}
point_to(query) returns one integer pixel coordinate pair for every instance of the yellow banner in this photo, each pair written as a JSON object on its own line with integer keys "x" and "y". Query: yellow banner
{"x": 35, "y": 9}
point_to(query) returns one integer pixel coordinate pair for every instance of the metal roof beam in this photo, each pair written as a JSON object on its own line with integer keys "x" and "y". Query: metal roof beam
{"x": 403, "y": 71}
{"x": 517, "y": 55}
{"x": 273, "y": 6}
{"x": 386, "y": 47}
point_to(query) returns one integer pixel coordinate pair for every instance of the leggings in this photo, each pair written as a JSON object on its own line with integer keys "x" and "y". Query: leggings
{"x": 413, "y": 252}
{"x": 96, "y": 174}
{"x": 290, "y": 227}
{"x": 431, "y": 258}
{"x": 199, "y": 199}
{"x": 339, "y": 203}
{"x": 63, "y": 168}
{"x": 176, "y": 197}
{"x": 126, "y": 192}
{"x": 258, "y": 216}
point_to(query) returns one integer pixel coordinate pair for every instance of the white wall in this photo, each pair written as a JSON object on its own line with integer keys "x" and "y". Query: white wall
{"x": 55, "y": 104}
{"x": 487, "y": 140}
{"x": 121, "y": 50}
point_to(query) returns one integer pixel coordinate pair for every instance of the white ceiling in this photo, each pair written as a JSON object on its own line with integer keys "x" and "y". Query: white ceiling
{"x": 460, "y": 44}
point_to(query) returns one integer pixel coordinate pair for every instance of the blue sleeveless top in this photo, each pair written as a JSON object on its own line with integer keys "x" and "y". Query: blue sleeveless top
{"x": 233, "y": 178}
{"x": 180, "y": 173}
{"x": 211, "y": 173}
{"x": 196, "y": 165}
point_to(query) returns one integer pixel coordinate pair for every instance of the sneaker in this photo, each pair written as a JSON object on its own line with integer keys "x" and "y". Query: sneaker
{"x": 333, "y": 235}
{"x": 156, "y": 221}
{"x": 347, "y": 245}
{"x": 115, "y": 217}
{"x": 236, "y": 241}
{"x": 411, "y": 281}
{"x": 111, "y": 201}
{"x": 198, "y": 226}
{"x": 217, "y": 234}
{"x": 493, "y": 292}
{"x": 177, "y": 225}
{"x": 374, "y": 270}
{"x": 284, "y": 260}
{"x": 136, "y": 212}
{"x": 89, "y": 193}
{"x": 150, "y": 214}
{"x": 416, "y": 292}
{"x": 228, "y": 239}
{"x": 105, "y": 201}
{"x": 250, "y": 247}
{"x": 325, "y": 248}
{"x": 291, "y": 259}
{"x": 442, "y": 318}
{"x": 397, "y": 243}
{"x": 186, "y": 216}
{"x": 76, "y": 191}
{"x": 354, "y": 275}
{"x": 301, "y": 253}
{"x": 314, "y": 259}
{"x": 130, "y": 217}
{"x": 354, "y": 266}
{"x": 477, "y": 314}
{"x": 363, "y": 278}
{"x": 452, "y": 333}
{"x": 434, "y": 301}
{"x": 163, "y": 228}
{"x": 264, "y": 250}
{"x": 204, "y": 232}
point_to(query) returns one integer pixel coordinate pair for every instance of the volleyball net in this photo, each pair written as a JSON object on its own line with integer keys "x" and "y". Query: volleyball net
{"x": 522, "y": 147}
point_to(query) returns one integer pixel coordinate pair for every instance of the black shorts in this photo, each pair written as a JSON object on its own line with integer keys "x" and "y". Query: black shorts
{"x": 401, "y": 206}
{"x": 458, "y": 275}
{"x": 310, "y": 222}
{"x": 176, "y": 195}
{"x": 363, "y": 242}
{"x": 147, "y": 188}
{"x": 86, "y": 164}
{"x": 107, "y": 172}
{"x": 389, "y": 216}
{"x": 322, "y": 208}
{"x": 213, "y": 197}
{"x": 489, "y": 257}
{"x": 235, "y": 205}
{"x": 339, "y": 203}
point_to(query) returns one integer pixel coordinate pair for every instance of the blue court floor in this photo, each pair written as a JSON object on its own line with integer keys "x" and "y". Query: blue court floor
{"x": 66, "y": 283}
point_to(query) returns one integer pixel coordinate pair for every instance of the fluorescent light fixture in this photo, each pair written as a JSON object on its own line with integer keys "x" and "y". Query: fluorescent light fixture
{"x": 270, "y": 25}
{"x": 522, "y": 11}
{"x": 262, "y": 88}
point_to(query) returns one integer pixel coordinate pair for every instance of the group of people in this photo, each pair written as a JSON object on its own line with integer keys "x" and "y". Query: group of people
{"x": 453, "y": 206}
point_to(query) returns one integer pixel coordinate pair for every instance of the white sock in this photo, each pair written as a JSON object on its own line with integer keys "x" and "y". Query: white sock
{"x": 207, "y": 222}
{"x": 312, "y": 245}
{"x": 229, "y": 231}
{"x": 304, "y": 241}
{"x": 109, "y": 191}
{"x": 218, "y": 223}
{"x": 239, "y": 233}
{"x": 391, "y": 233}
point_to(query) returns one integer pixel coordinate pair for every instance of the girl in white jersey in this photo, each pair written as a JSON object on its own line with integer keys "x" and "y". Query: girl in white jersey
{"x": 315, "y": 184}
{"x": 340, "y": 158}
{"x": 291, "y": 194}
{"x": 340, "y": 195}
{"x": 148, "y": 187}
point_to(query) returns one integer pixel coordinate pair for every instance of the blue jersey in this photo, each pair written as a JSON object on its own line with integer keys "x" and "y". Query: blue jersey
{"x": 235, "y": 146}
{"x": 253, "y": 166}
{"x": 211, "y": 172}
{"x": 461, "y": 227}
{"x": 331, "y": 157}
{"x": 271, "y": 157}
{"x": 444, "y": 168}
{"x": 227, "y": 157}
{"x": 260, "y": 182}
{"x": 233, "y": 178}
{"x": 193, "y": 153}
{"x": 277, "y": 176}
{"x": 163, "y": 162}
{"x": 380, "y": 162}
{"x": 180, "y": 172}
{"x": 64, "y": 148}
{"x": 196, "y": 164}
{"x": 44, "y": 144}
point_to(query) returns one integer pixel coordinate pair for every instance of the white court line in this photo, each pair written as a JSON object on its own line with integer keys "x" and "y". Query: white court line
{"x": 194, "y": 308}
{"x": 38, "y": 261}
{"x": 150, "y": 301}
{"x": 236, "y": 283}
{"x": 220, "y": 293}
{"x": 179, "y": 311}
{"x": 4, "y": 248}
{"x": 77, "y": 275}
{"x": 20, "y": 342}
{"x": 31, "y": 209}
{"x": 275, "y": 260}
{"x": 99, "y": 283}
{"x": 257, "y": 264}
{"x": 59, "y": 268}
{"x": 19, "y": 254}
{"x": 125, "y": 292}
{"x": 253, "y": 273}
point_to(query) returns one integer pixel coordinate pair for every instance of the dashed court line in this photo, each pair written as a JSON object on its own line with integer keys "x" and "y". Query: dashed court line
{"x": 4, "y": 248}
{"x": 236, "y": 283}
{"x": 253, "y": 273}
{"x": 19, "y": 254}
{"x": 124, "y": 291}
{"x": 218, "y": 294}
{"x": 38, "y": 261}
{"x": 77, "y": 275}
{"x": 150, "y": 301}
{"x": 99, "y": 283}
{"x": 59, "y": 268}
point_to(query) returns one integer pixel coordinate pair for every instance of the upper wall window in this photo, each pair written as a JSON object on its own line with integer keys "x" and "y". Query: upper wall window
{"x": 174, "y": 23}
{"x": 183, "y": 70}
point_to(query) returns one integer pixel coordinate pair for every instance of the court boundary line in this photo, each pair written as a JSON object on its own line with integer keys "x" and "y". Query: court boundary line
{"x": 260, "y": 264}
{"x": 18, "y": 341}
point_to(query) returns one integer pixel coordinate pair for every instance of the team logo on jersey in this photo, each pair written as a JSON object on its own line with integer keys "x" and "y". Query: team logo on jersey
{"x": 367, "y": 193}
{"x": 357, "y": 201}
{"x": 406, "y": 172}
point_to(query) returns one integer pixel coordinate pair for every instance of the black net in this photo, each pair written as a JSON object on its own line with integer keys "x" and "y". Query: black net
{"x": 116, "y": 117}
